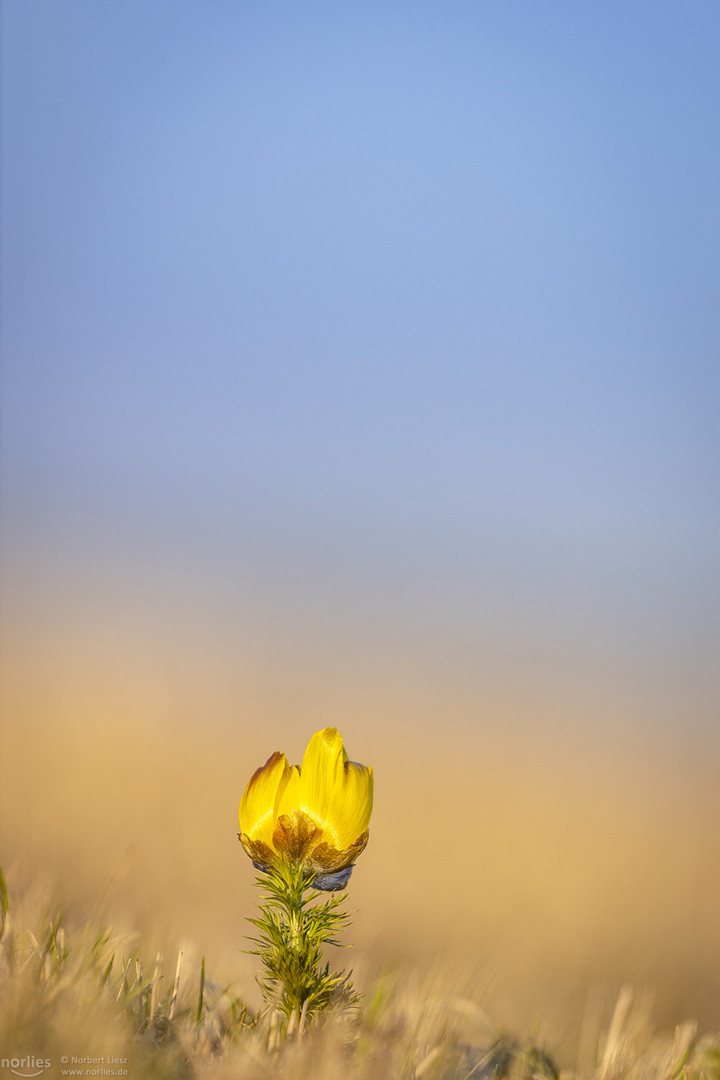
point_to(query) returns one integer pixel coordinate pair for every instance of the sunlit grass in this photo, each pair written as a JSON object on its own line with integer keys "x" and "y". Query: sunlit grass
{"x": 94, "y": 991}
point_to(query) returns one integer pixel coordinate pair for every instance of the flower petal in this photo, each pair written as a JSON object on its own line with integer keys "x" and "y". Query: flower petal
{"x": 262, "y": 856}
{"x": 321, "y": 765}
{"x": 335, "y": 792}
{"x": 289, "y": 797}
{"x": 257, "y": 808}
{"x": 325, "y": 858}
{"x": 296, "y": 835}
{"x": 355, "y": 802}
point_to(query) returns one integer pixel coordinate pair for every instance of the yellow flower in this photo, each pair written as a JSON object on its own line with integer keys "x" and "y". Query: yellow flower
{"x": 316, "y": 813}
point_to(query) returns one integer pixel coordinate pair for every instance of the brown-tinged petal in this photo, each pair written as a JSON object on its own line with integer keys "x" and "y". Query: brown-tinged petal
{"x": 257, "y": 808}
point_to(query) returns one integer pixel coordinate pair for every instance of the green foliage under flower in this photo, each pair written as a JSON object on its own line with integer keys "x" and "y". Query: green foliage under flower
{"x": 294, "y": 926}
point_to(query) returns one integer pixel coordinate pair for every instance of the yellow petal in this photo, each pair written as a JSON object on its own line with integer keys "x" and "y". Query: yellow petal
{"x": 321, "y": 765}
{"x": 289, "y": 798}
{"x": 354, "y": 801}
{"x": 335, "y": 792}
{"x": 257, "y": 808}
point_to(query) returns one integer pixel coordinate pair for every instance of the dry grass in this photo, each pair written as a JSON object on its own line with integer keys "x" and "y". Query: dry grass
{"x": 105, "y": 1000}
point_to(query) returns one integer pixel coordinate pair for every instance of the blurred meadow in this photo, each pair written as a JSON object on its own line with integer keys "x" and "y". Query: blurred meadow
{"x": 360, "y": 369}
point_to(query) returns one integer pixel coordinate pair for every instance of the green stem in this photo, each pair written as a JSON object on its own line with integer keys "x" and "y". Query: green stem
{"x": 294, "y": 927}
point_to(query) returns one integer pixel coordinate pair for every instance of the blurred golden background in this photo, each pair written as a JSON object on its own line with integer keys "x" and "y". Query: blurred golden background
{"x": 536, "y": 844}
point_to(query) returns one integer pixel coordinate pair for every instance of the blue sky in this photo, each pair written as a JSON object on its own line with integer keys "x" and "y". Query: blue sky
{"x": 410, "y": 311}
